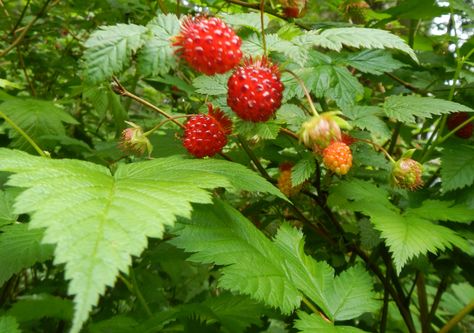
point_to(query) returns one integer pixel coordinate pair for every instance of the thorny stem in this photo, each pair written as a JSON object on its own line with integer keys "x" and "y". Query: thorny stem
{"x": 457, "y": 318}
{"x": 119, "y": 89}
{"x": 308, "y": 97}
{"x": 23, "y": 134}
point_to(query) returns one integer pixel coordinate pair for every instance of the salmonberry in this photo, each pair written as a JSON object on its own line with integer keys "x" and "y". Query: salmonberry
{"x": 255, "y": 90}
{"x": 208, "y": 45}
{"x": 337, "y": 157}
{"x": 406, "y": 173}
{"x": 456, "y": 119}
{"x": 284, "y": 181}
{"x": 355, "y": 10}
{"x": 293, "y": 8}
{"x": 206, "y": 135}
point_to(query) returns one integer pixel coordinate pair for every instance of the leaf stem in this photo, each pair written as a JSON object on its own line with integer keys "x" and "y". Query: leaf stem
{"x": 457, "y": 318}
{"x": 23, "y": 134}
{"x": 119, "y": 89}
{"x": 306, "y": 92}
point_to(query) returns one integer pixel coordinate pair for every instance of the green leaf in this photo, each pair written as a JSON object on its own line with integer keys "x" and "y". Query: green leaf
{"x": 223, "y": 236}
{"x": 406, "y": 108}
{"x": 292, "y": 115}
{"x": 346, "y": 87}
{"x": 368, "y": 118}
{"x": 263, "y": 130}
{"x": 443, "y": 211}
{"x": 336, "y": 296}
{"x": 407, "y": 235}
{"x": 310, "y": 323}
{"x": 373, "y": 62}
{"x": 36, "y": 307}
{"x": 9, "y": 325}
{"x": 457, "y": 166}
{"x": 336, "y": 38}
{"x": 36, "y": 118}
{"x": 109, "y": 50}
{"x": 211, "y": 85}
{"x": 249, "y": 20}
{"x": 157, "y": 56}
{"x": 6, "y": 209}
{"x": 21, "y": 248}
{"x": 91, "y": 215}
{"x": 303, "y": 170}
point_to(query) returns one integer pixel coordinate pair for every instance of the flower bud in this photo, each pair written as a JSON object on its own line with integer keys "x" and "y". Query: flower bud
{"x": 134, "y": 141}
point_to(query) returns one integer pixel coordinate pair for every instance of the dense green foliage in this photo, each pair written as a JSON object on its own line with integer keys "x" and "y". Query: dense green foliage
{"x": 263, "y": 237}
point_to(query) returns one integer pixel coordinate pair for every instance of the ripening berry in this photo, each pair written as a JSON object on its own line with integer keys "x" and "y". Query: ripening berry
{"x": 320, "y": 131}
{"x": 134, "y": 141}
{"x": 406, "y": 173}
{"x": 208, "y": 45}
{"x": 293, "y": 8}
{"x": 206, "y": 135}
{"x": 456, "y": 119}
{"x": 255, "y": 90}
{"x": 337, "y": 157}
{"x": 355, "y": 10}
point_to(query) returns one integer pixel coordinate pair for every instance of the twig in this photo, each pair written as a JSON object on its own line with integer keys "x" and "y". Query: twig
{"x": 25, "y": 30}
{"x": 443, "y": 285}
{"x": 22, "y": 15}
{"x": 457, "y": 318}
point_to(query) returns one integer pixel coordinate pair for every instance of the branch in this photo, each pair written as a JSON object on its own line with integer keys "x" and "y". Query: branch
{"x": 457, "y": 318}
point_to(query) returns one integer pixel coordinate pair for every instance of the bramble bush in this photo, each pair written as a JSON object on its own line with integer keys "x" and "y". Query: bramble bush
{"x": 236, "y": 166}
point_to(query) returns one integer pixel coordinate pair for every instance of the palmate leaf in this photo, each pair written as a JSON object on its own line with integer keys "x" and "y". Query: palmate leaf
{"x": 406, "y": 108}
{"x": 98, "y": 220}
{"x": 36, "y": 117}
{"x": 277, "y": 272}
{"x": 457, "y": 166}
{"x": 336, "y": 38}
{"x": 9, "y": 324}
{"x": 373, "y": 61}
{"x": 109, "y": 50}
{"x": 310, "y": 323}
{"x": 157, "y": 56}
{"x": 21, "y": 248}
{"x": 407, "y": 234}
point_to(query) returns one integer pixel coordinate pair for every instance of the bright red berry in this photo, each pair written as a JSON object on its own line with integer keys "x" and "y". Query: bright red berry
{"x": 406, "y": 173}
{"x": 206, "y": 135}
{"x": 255, "y": 90}
{"x": 208, "y": 45}
{"x": 337, "y": 157}
{"x": 456, "y": 119}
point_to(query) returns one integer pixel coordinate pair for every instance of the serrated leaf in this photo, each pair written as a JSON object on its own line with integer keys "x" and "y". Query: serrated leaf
{"x": 406, "y": 108}
{"x": 21, "y": 248}
{"x": 336, "y": 38}
{"x": 263, "y": 130}
{"x": 109, "y": 50}
{"x": 310, "y": 323}
{"x": 211, "y": 85}
{"x": 339, "y": 299}
{"x": 157, "y": 56}
{"x": 457, "y": 166}
{"x": 6, "y": 210}
{"x": 91, "y": 215}
{"x": 443, "y": 211}
{"x": 303, "y": 169}
{"x": 36, "y": 118}
{"x": 368, "y": 118}
{"x": 9, "y": 324}
{"x": 373, "y": 62}
{"x": 407, "y": 235}
{"x": 249, "y": 20}
{"x": 346, "y": 87}
{"x": 223, "y": 236}
{"x": 36, "y": 307}
{"x": 292, "y": 115}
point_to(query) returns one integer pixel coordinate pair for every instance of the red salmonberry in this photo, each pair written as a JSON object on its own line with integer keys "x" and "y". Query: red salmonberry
{"x": 206, "y": 135}
{"x": 208, "y": 45}
{"x": 456, "y": 119}
{"x": 337, "y": 157}
{"x": 255, "y": 90}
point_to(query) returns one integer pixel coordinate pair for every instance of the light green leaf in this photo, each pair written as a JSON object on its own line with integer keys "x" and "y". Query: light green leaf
{"x": 346, "y": 87}
{"x": 21, "y": 248}
{"x": 406, "y": 108}
{"x": 36, "y": 307}
{"x": 443, "y": 211}
{"x": 263, "y": 130}
{"x": 457, "y": 166}
{"x": 292, "y": 115}
{"x": 9, "y": 325}
{"x": 303, "y": 170}
{"x": 368, "y": 118}
{"x": 336, "y": 38}
{"x": 6, "y": 209}
{"x": 109, "y": 50}
{"x": 249, "y": 20}
{"x": 373, "y": 62}
{"x": 212, "y": 85}
{"x": 311, "y": 323}
{"x": 91, "y": 215}
{"x": 36, "y": 118}
{"x": 157, "y": 56}
{"x": 223, "y": 236}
